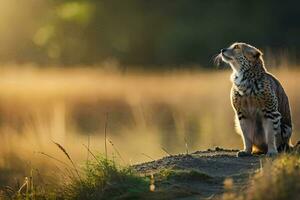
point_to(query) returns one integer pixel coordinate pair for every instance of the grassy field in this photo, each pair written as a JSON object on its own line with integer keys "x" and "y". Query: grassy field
{"x": 146, "y": 116}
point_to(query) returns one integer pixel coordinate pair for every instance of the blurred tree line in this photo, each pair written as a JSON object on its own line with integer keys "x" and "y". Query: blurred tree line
{"x": 142, "y": 32}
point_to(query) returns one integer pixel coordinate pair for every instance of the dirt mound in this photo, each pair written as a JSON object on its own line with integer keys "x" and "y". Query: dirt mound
{"x": 201, "y": 173}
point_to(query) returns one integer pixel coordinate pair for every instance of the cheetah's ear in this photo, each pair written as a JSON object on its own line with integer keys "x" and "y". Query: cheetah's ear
{"x": 257, "y": 53}
{"x": 252, "y": 53}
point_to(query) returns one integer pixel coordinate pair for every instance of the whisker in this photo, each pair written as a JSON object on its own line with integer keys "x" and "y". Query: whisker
{"x": 218, "y": 59}
{"x": 214, "y": 57}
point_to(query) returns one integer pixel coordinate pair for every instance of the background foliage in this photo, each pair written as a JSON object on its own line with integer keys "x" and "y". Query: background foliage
{"x": 142, "y": 32}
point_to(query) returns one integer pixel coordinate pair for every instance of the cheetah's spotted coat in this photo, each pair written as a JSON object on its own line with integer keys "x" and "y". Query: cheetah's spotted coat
{"x": 259, "y": 101}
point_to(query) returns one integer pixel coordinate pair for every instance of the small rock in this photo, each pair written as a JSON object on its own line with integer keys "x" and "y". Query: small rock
{"x": 218, "y": 149}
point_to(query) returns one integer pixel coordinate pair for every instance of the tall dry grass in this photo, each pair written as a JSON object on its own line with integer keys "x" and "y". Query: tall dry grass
{"x": 148, "y": 115}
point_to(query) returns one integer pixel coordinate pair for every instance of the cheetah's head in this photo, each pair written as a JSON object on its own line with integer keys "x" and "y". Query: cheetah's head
{"x": 240, "y": 55}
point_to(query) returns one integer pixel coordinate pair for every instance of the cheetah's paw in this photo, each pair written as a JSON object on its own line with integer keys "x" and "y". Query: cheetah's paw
{"x": 272, "y": 153}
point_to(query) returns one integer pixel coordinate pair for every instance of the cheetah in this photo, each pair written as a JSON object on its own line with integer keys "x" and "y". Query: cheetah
{"x": 261, "y": 106}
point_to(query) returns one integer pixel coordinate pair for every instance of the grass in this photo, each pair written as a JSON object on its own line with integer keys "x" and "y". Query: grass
{"x": 103, "y": 179}
{"x": 277, "y": 180}
{"x": 98, "y": 179}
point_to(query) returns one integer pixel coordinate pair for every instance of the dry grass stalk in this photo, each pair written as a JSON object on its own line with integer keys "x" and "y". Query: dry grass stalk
{"x": 68, "y": 156}
{"x": 186, "y": 146}
{"x": 105, "y": 134}
{"x": 148, "y": 156}
{"x": 116, "y": 150}
{"x": 164, "y": 150}
{"x": 88, "y": 149}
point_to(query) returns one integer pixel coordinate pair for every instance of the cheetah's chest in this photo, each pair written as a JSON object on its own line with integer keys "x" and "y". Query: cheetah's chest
{"x": 250, "y": 90}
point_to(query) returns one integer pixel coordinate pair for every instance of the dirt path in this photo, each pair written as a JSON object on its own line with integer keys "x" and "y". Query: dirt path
{"x": 212, "y": 167}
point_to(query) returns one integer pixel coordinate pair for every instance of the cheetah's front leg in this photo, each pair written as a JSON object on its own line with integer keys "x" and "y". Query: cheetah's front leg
{"x": 247, "y": 136}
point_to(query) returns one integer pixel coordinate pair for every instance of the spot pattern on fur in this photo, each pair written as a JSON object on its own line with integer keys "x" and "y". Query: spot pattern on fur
{"x": 255, "y": 92}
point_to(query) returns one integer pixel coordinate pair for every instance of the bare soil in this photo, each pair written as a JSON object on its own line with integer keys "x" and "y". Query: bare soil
{"x": 214, "y": 166}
